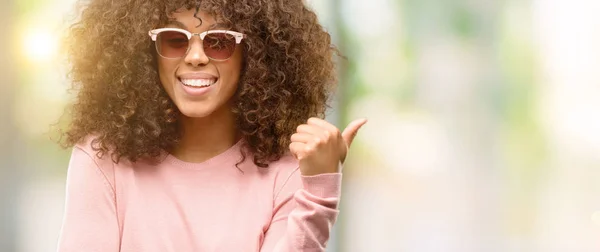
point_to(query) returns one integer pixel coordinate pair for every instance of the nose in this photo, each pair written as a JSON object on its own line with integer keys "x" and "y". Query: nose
{"x": 195, "y": 56}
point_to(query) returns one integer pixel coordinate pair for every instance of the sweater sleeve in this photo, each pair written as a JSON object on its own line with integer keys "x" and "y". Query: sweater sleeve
{"x": 90, "y": 219}
{"x": 305, "y": 210}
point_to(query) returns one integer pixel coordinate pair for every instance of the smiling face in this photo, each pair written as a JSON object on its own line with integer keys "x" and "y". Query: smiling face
{"x": 199, "y": 86}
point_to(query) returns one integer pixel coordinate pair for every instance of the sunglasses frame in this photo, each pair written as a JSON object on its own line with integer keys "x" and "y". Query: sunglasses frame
{"x": 154, "y": 35}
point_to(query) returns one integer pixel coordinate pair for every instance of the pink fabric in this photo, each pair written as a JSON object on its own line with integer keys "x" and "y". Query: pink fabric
{"x": 210, "y": 206}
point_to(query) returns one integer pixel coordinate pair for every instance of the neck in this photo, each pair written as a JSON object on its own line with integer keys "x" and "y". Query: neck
{"x": 204, "y": 138}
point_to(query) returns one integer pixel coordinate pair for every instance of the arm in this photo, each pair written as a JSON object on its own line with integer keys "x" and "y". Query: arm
{"x": 304, "y": 212}
{"x": 90, "y": 219}
{"x": 302, "y": 222}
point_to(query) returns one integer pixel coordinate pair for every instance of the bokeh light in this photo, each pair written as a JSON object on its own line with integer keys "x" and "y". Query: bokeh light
{"x": 39, "y": 45}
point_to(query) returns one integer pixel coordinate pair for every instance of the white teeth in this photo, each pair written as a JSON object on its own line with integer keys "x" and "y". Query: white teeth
{"x": 198, "y": 82}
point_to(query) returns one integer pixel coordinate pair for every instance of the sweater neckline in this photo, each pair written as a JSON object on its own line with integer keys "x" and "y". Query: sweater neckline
{"x": 229, "y": 156}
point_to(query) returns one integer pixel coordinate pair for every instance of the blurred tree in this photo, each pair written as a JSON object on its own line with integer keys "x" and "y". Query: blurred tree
{"x": 455, "y": 45}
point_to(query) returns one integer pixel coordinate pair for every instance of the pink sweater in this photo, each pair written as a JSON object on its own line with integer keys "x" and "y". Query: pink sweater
{"x": 184, "y": 207}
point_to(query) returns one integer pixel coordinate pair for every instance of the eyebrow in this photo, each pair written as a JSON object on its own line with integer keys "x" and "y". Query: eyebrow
{"x": 182, "y": 26}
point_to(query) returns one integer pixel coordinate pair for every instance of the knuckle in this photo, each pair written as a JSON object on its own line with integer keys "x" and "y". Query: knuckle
{"x": 336, "y": 132}
{"x": 326, "y": 136}
{"x": 318, "y": 140}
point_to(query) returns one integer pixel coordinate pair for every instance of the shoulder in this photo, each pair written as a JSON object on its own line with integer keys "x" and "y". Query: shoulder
{"x": 287, "y": 174}
{"x": 285, "y": 166}
{"x": 86, "y": 155}
{"x": 91, "y": 147}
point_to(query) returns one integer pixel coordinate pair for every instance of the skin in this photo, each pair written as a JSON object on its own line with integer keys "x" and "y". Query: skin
{"x": 207, "y": 123}
{"x": 320, "y": 147}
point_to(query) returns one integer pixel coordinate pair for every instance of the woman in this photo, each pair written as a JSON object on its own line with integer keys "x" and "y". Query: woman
{"x": 191, "y": 128}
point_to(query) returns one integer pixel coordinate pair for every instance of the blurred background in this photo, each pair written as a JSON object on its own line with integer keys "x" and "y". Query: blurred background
{"x": 484, "y": 131}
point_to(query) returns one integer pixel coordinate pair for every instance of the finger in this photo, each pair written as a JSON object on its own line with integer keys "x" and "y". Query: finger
{"x": 312, "y": 130}
{"x": 323, "y": 124}
{"x": 298, "y": 150}
{"x": 303, "y": 137}
{"x": 350, "y": 131}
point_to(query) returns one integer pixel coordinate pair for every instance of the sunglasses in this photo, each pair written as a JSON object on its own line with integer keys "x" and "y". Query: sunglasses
{"x": 174, "y": 43}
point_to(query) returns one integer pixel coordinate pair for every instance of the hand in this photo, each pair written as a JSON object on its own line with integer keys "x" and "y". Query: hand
{"x": 320, "y": 147}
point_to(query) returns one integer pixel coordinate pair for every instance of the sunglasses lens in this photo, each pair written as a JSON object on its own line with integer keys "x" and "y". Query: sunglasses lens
{"x": 172, "y": 44}
{"x": 219, "y": 46}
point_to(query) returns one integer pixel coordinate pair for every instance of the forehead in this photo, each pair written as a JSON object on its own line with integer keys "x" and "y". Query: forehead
{"x": 192, "y": 19}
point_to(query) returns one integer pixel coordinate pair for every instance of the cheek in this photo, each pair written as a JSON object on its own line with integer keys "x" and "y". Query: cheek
{"x": 166, "y": 70}
{"x": 231, "y": 71}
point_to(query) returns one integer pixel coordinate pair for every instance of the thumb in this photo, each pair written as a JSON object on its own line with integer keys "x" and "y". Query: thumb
{"x": 351, "y": 130}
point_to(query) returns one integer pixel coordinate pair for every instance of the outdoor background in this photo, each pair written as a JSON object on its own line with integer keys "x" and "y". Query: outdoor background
{"x": 483, "y": 133}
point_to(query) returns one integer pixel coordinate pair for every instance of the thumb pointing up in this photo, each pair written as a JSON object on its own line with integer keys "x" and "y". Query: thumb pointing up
{"x": 350, "y": 132}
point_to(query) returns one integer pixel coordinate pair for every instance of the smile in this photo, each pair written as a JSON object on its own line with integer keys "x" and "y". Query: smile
{"x": 198, "y": 82}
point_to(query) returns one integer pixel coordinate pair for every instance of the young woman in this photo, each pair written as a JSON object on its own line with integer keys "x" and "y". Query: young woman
{"x": 196, "y": 128}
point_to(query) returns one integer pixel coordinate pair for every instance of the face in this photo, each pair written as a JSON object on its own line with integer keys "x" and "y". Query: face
{"x": 199, "y": 86}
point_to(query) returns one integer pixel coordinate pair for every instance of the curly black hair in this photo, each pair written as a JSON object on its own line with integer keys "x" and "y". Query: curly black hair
{"x": 287, "y": 75}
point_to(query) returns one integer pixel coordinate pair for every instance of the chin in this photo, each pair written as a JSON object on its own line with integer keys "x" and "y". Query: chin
{"x": 195, "y": 110}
